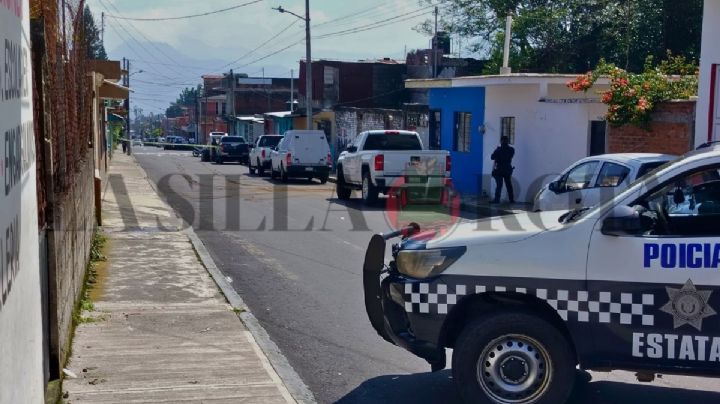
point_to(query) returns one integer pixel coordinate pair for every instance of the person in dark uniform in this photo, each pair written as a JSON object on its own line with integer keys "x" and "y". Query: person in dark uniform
{"x": 503, "y": 169}
{"x": 124, "y": 146}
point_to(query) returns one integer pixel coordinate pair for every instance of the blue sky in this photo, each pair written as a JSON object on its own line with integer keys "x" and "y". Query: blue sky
{"x": 182, "y": 50}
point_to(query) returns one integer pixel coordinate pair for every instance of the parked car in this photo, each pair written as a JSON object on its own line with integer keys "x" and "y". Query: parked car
{"x": 260, "y": 154}
{"x": 625, "y": 285}
{"x": 173, "y": 143}
{"x": 208, "y": 153}
{"x": 381, "y": 161}
{"x": 596, "y": 179}
{"x": 232, "y": 148}
{"x": 302, "y": 154}
{"x": 159, "y": 141}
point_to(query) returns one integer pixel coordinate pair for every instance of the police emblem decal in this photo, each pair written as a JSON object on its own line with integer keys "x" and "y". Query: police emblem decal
{"x": 688, "y": 305}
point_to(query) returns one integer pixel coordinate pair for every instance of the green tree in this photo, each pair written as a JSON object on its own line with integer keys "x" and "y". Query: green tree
{"x": 93, "y": 41}
{"x": 188, "y": 98}
{"x": 573, "y": 35}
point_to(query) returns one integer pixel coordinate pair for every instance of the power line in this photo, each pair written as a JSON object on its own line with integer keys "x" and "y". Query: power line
{"x": 378, "y": 24}
{"x": 151, "y": 43}
{"x": 272, "y": 53}
{"x": 259, "y": 46}
{"x": 141, "y": 47}
{"x": 204, "y": 69}
{"x": 119, "y": 17}
{"x": 350, "y": 15}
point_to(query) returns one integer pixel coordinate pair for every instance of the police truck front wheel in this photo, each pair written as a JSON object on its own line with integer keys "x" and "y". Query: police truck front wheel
{"x": 513, "y": 357}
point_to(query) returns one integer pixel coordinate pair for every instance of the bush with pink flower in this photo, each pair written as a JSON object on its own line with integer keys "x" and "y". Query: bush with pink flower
{"x": 632, "y": 96}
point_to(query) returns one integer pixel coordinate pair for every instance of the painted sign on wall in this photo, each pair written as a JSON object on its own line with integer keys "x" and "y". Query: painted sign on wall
{"x": 21, "y": 365}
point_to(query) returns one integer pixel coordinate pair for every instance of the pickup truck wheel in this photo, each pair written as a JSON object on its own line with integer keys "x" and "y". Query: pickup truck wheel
{"x": 251, "y": 169}
{"x": 324, "y": 179}
{"x": 369, "y": 192}
{"x": 513, "y": 357}
{"x": 342, "y": 190}
{"x": 273, "y": 175}
{"x": 260, "y": 169}
{"x": 283, "y": 174}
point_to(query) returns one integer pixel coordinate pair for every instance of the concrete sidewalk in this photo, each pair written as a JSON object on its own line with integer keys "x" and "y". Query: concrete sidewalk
{"x": 163, "y": 331}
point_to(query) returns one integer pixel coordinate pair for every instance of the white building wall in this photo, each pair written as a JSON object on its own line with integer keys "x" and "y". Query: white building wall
{"x": 549, "y": 136}
{"x": 710, "y": 54}
{"x": 21, "y": 337}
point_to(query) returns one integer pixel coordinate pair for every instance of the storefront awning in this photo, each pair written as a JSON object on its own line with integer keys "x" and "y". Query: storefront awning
{"x": 113, "y": 91}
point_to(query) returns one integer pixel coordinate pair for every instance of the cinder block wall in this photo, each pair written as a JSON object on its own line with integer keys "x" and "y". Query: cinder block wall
{"x": 672, "y": 131}
{"x": 69, "y": 245}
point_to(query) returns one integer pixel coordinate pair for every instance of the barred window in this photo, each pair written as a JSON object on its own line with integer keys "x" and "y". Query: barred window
{"x": 507, "y": 128}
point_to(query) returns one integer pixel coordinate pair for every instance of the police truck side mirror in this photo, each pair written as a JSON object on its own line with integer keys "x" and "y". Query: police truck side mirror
{"x": 555, "y": 186}
{"x": 623, "y": 221}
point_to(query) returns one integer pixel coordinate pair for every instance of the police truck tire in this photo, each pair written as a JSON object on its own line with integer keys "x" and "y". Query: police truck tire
{"x": 260, "y": 169}
{"x": 513, "y": 356}
{"x": 251, "y": 169}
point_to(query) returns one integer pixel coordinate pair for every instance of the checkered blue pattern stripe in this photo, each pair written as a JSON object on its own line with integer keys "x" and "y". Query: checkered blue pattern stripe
{"x": 572, "y": 305}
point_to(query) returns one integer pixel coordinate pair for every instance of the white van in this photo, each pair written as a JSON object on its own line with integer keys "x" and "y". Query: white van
{"x": 302, "y": 154}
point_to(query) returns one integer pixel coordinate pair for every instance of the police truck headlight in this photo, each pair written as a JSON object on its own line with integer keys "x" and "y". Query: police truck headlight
{"x": 427, "y": 263}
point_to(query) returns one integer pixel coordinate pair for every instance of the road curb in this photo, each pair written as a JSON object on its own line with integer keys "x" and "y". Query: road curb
{"x": 289, "y": 377}
{"x": 297, "y": 388}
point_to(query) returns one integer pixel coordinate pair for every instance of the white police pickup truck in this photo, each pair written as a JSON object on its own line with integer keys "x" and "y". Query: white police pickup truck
{"x": 631, "y": 284}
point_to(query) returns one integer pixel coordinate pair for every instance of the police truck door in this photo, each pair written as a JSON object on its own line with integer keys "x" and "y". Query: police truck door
{"x": 658, "y": 292}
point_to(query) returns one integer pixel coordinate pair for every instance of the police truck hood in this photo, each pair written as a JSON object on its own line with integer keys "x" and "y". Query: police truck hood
{"x": 500, "y": 229}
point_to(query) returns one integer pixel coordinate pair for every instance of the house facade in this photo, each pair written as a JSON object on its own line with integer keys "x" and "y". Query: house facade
{"x": 707, "y": 126}
{"x": 549, "y": 126}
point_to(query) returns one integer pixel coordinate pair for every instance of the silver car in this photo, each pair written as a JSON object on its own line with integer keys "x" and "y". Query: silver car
{"x": 596, "y": 179}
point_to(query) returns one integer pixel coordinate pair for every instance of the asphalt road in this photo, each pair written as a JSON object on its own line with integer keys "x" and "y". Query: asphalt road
{"x": 294, "y": 253}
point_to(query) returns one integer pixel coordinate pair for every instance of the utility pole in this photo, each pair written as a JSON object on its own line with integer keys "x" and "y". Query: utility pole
{"x": 308, "y": 67}
{"x": 308, "y": 61}
{"x": 231, "y": 101}
{"x": 292, "y": 91}
{"x": 102, "y": 28}
{"x": 505, "y": 69}
{"x": 434, "y": 45}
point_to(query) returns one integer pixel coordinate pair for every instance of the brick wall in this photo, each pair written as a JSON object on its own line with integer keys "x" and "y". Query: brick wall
{"x": 672, "y": 131}
{"x": 69, "y": 248}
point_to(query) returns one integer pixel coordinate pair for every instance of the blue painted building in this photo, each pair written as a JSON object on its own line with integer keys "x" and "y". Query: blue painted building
{"x": 549, "y": 125}
{"x": 461, "y": 113}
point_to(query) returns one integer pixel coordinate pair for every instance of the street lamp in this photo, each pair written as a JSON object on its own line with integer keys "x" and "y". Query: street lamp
{"x": 308, "y": 61}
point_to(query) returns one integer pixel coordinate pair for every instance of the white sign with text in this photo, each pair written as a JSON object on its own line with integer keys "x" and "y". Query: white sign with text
{"x": 21, "y": 338}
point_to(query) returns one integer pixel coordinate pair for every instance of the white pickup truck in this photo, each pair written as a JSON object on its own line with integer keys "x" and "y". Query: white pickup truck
{"x": 392, "y": 161}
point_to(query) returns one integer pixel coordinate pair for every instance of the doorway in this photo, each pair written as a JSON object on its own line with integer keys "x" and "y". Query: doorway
{"x": 598, "y": 138}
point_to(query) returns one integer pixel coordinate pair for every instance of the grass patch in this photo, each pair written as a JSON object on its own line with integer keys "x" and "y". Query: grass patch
{"x": 85, "y": 304}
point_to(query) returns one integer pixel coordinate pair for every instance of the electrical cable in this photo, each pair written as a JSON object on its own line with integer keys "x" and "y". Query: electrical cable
{"x": 120, "y": 17}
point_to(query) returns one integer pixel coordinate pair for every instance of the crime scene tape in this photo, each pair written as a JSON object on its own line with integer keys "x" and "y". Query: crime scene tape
{"x": 146, "y": 143}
